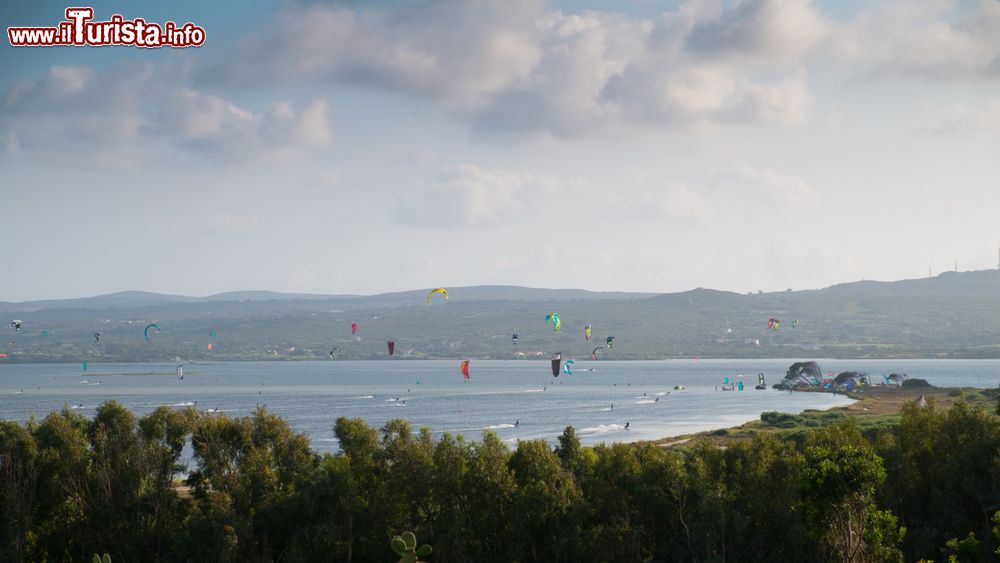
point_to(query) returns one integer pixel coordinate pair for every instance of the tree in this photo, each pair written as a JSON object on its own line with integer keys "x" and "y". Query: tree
{"x": 546, "y": 505}
{"x": 490, "y": 483}
{"x": 248, "y": 471}
{"x": 60, "y": 531}
{"x": 611, "y": 488}
{"x": 451, "y": 517}
{"x": 19, "y": 472}
{"x": 763, "y": 501}
{"x": 803, "y": 372}
{"x": 968, "y": 550}
{"x": 840, "y": 481}
{"x": 944, "y": 475}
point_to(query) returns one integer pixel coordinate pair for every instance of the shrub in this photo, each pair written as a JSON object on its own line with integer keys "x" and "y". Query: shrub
{"x": 781, "y": 420}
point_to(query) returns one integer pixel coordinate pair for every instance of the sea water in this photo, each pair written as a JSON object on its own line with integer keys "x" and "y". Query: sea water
{"x": 515, "y": 399}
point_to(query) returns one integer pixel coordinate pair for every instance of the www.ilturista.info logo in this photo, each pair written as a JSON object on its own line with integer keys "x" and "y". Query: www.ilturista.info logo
{"x": 78, "y": 30}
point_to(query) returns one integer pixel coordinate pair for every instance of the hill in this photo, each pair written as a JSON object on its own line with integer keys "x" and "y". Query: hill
{"x": 950, "y": 315}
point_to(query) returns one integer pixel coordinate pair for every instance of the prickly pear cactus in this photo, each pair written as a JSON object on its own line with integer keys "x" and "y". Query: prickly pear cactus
{"x": 405, "y": 545}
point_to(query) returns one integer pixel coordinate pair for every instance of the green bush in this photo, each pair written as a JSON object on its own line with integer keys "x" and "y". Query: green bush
{"x": 781, "y": 419}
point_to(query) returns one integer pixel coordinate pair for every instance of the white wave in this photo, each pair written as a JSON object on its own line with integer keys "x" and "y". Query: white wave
{"x": 539, "y": 436}
{"x": 185, "y": 404}
{"x": 661, "y": 393}
{"x": 602, "y": 429}
{"x": 605, "y": 409}
{"x": 498, "y": 426}
{"x": 645, "y": 402}
{"x": 533, "y": 390}
{"x": 75, "y": 407}
{"x": 366, "y": 397}
{"x": 327, "y": 440}
{"x": 454, "y": 430}
{"x": 83, "y": 382}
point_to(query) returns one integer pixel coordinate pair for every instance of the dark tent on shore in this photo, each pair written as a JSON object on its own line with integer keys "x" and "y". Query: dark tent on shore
{"x": 897, "y": 378}
{"x": 846, "y": 377}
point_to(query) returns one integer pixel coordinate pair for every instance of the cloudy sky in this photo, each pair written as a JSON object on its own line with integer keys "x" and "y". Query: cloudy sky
{"x": 361, "y": 147}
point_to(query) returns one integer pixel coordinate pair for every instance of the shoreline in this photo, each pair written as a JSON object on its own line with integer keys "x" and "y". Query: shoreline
{"x": 217, "y": 359}
{"x": 871, "y": 408}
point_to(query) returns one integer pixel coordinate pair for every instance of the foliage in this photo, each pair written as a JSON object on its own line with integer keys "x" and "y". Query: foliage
{"x": 803, "y": 372}
{"x": 255, "y": 491}
{"x": 781, "y": 419}
{"x": 968, "y": 550}
{"x": 841, "y": 474}
{"x": 405, "y": 546}
{"x": 943, "y": 475}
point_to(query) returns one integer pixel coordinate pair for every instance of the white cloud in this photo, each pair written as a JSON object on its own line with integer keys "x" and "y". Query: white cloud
{"x": 210, "y": 125}
{"x": 981, "y": 119}
{"x": 282, "y": 124}
{"x": 77, "y": 115}
{"x": 468, "y": 195}
{"x": 769, "y": 187}
{"x": 644, "y": 198}
{"x": 472, "y": 197}
{"x": 766, "y": 31}
{"x": 131, "y": 115}
{"x": 521, "y": 66}
{"x": 460, "y": 53}
{"x": 932, "y": 39}
{"x": 194, "y": 115}
{"x": 527, "y": 67}
{"x": 709, "y": 93}
{"x": 59, "y": 83}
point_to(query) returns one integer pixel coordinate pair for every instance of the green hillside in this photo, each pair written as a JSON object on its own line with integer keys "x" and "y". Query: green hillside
{"x": 951, "y": 315}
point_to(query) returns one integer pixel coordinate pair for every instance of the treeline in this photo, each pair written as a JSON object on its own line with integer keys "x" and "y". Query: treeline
{"x": 71, "y": 487}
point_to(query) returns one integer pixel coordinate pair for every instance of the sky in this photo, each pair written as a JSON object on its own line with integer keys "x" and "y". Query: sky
{"x": 361, "y": 147}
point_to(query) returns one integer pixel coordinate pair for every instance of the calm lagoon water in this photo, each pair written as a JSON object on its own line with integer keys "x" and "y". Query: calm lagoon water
{"x": 311, "y": 395}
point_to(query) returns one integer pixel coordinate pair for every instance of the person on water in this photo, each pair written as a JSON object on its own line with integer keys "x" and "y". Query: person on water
{"x": 517, "y": 423}
{"x": 626, "y": 425}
